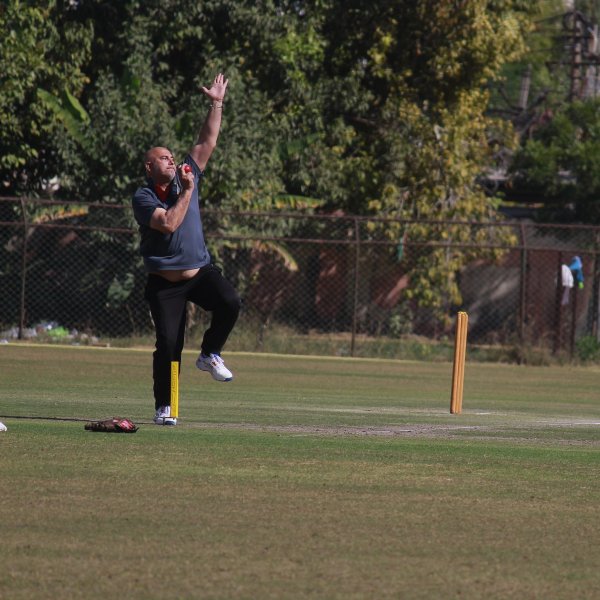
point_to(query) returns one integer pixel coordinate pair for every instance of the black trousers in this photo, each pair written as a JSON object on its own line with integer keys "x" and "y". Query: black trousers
{"x": 209, "y": 290}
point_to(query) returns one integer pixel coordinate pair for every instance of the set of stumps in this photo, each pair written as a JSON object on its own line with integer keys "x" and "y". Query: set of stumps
{"x": 458, "y": 371}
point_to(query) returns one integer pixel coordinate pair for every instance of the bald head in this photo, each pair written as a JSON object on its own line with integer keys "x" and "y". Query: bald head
{"x": 159, "y": 164}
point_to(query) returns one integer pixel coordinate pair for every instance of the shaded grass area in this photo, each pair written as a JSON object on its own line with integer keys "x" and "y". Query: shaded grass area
{"x": 261, "y": 492}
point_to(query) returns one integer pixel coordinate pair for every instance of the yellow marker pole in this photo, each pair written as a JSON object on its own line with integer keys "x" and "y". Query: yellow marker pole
{"x": 175, "y": 389}
{"x": 458, "y": 371}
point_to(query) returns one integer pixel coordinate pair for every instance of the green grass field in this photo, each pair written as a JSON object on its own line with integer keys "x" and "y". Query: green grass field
{"x": 305, "y": 477}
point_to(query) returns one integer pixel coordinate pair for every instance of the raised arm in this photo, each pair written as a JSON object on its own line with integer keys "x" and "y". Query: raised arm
{"x": 207, "y": 137}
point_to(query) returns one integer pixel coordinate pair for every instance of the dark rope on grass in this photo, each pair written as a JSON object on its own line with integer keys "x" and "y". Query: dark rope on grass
{"x": 42, "y": 418}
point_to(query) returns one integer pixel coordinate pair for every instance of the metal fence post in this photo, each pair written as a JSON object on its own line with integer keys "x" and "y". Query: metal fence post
{"x": 558, "y": 307}
{"x": 523, "y": 285}
{"x": 595, "y": 290}
{"x": 22, "y": 315}
{"x": 356, "y": 279}
{"x": 573, "y": 321}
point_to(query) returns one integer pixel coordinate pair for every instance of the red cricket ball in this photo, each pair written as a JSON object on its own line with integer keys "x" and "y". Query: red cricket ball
{"x": 187, "y": 168}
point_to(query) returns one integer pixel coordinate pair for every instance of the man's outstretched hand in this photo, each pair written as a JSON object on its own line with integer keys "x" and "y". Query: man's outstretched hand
{"x": 217, "y": 90}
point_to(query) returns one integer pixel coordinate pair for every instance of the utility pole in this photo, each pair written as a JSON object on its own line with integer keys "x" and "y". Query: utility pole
{"x": 575, "y": 87}
{"x": 591, "y": 83}
{"x": 525, "y": 85}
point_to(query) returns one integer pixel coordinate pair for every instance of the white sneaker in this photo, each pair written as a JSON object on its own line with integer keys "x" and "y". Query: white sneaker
{"x": 163, "y": 416}
{"x": 214, "y": 364}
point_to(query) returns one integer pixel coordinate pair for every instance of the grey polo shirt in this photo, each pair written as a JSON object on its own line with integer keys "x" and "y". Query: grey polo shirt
{"x": 185, "y": 248}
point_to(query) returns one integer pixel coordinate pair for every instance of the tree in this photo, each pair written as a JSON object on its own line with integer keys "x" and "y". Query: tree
{"x": 539, "y": 77}
{"x": 42, "y": 48}
{"x": 145, "y": 89}
{"x": 418, "y": 122}
{"x": 560, "y": 165}
{"x": 387, "y": 118}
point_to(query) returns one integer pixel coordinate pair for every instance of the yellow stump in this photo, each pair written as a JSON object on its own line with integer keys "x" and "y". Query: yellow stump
{"x": 174, "y": 389}
{"x": 458, "y": 372}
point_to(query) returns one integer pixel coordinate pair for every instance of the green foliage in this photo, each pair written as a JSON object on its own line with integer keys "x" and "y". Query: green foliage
{"x": 588, "y": 349}
{"x": 424, "y": 129}
{"x": 69, "y": 111}
{"x": 544, "y": 60}
{"x": 120, "y": 290}
{"x": 41, "y": 49}
{"x": 560, "y": 165}
{"x": 588, "y": 7}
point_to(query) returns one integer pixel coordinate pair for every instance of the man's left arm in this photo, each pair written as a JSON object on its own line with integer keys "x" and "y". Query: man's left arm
{"x": 209, "y": 133}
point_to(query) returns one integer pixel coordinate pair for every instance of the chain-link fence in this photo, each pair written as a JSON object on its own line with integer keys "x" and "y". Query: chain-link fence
{"x": 328, "y": 284}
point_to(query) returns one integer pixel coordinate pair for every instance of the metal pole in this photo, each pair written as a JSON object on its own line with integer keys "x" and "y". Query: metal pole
{"x": 595, "y": 291}
{"x": 558, "y": 308}
{"x": 573, "y": 320}
{"x": 525, "y": 85}
{"x": 23, "y": 269}
{"x": 575, "y": 75}
{"x": 523, "y": 286}
{"x": 356, "y": 277}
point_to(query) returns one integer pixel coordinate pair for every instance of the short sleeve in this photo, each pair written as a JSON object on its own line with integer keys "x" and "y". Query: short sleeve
{"x": 144, "y": 204}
